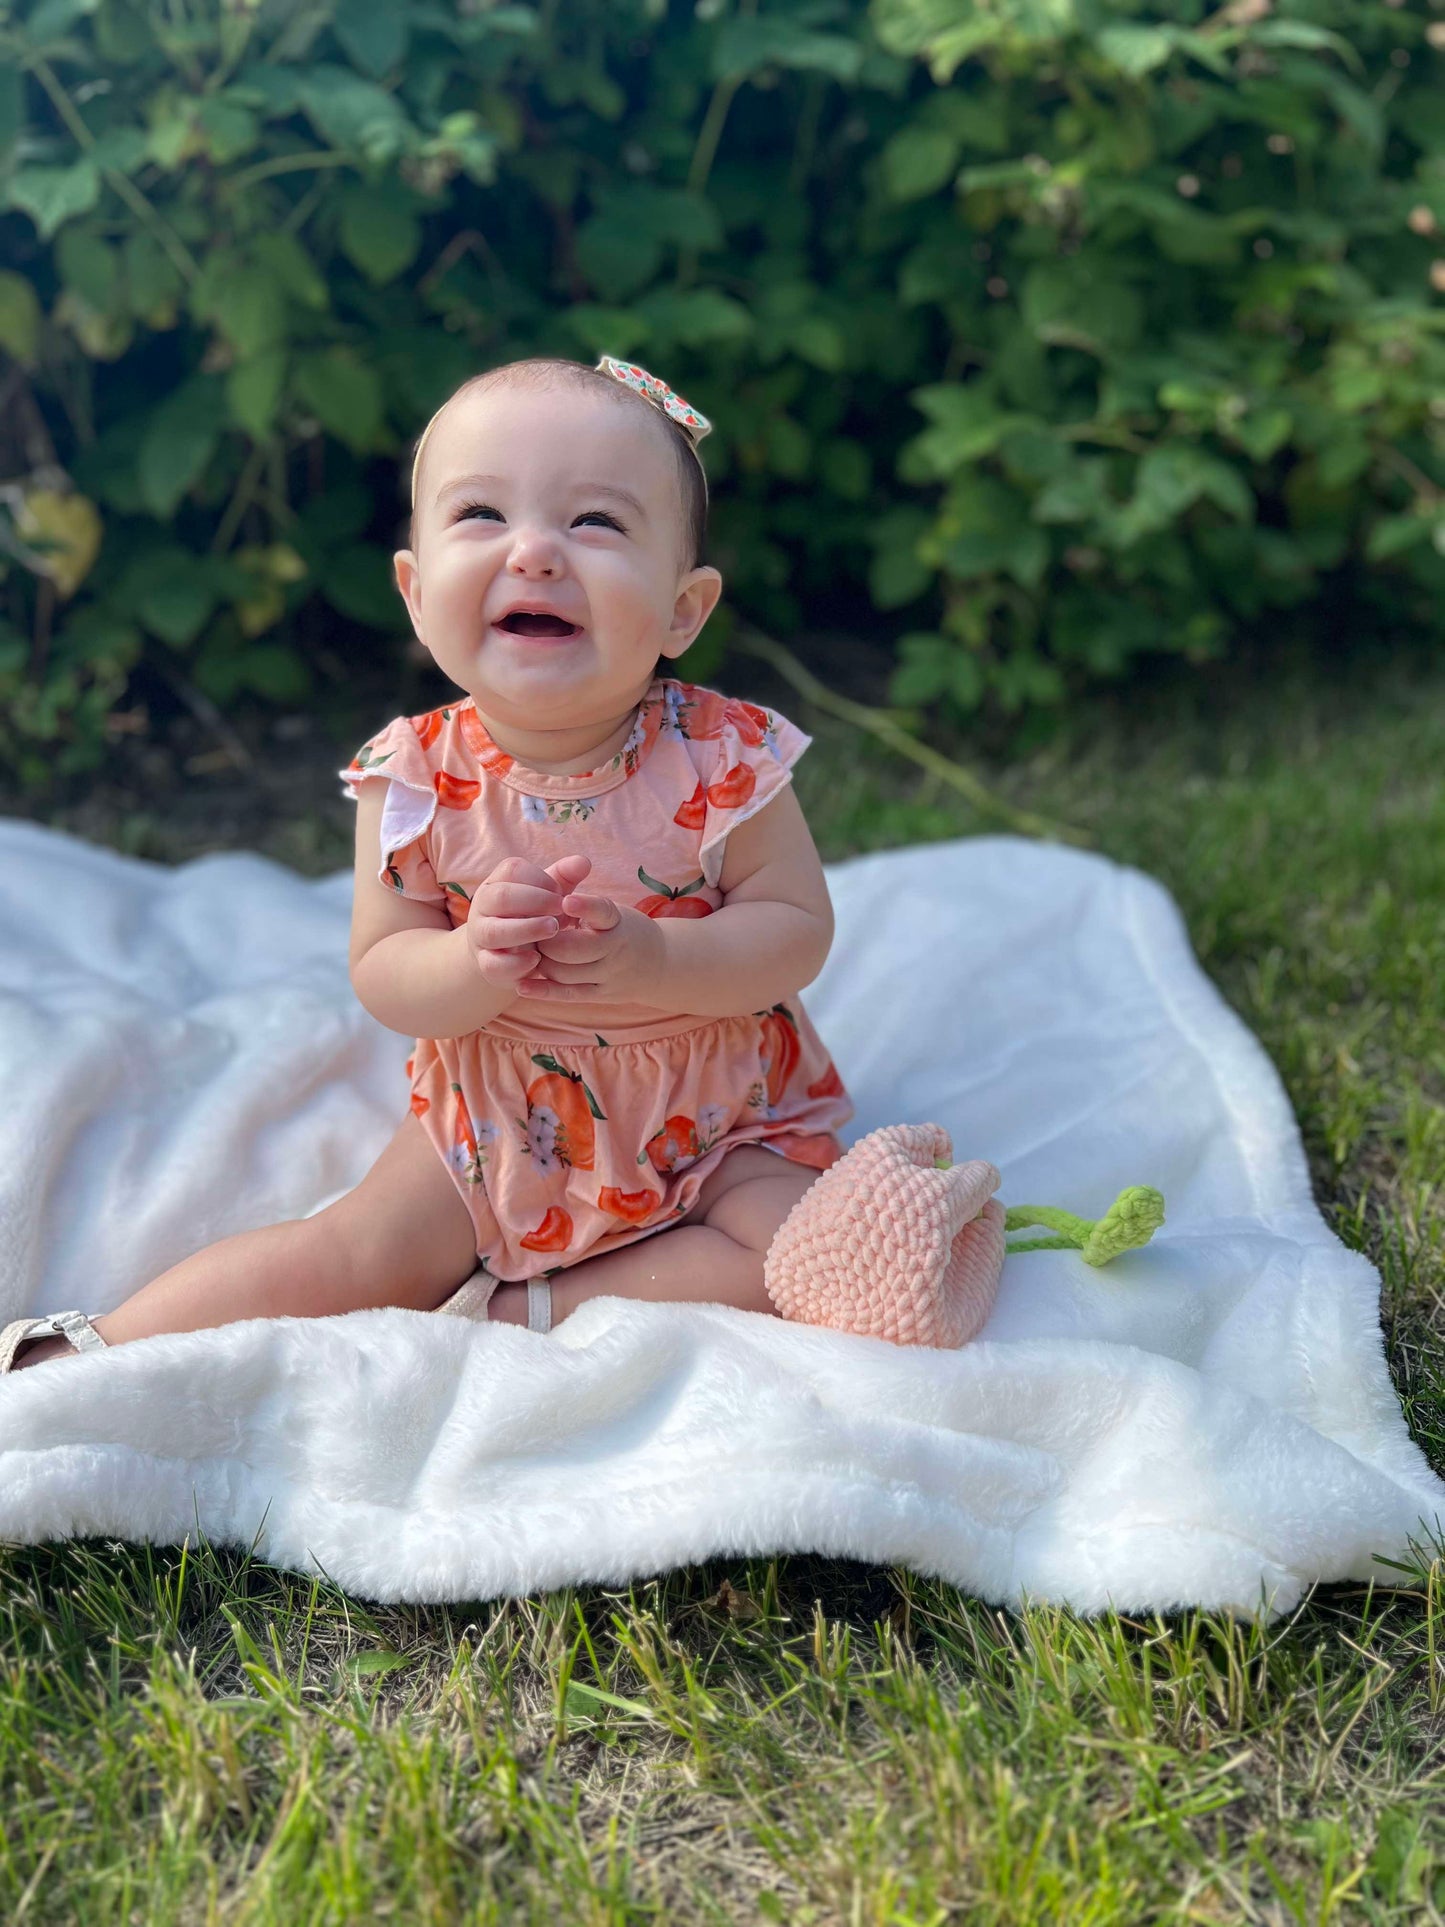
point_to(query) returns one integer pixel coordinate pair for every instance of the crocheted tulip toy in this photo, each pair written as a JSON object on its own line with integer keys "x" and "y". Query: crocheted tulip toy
{"x": 897, "y": 1241}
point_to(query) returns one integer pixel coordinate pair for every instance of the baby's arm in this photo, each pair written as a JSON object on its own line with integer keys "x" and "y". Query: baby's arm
{"x": 409, "y": 967}
{"x": 773, "y": 933}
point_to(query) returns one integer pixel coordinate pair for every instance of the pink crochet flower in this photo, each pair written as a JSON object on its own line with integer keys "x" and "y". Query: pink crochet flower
{"x": 888, "y": 1244}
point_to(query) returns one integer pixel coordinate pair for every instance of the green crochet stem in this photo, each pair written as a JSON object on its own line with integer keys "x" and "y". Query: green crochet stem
{"x": 1131, "y": 1221}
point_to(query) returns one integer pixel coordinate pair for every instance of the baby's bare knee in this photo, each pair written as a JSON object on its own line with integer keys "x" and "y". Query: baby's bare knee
{"x": 372, "y": 1259}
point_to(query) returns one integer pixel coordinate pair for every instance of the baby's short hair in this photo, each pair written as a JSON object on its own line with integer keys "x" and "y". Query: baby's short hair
{"x": 547, "y": 371}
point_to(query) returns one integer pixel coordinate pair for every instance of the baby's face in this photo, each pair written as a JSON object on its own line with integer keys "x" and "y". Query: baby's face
{"x": 522, "y": 503}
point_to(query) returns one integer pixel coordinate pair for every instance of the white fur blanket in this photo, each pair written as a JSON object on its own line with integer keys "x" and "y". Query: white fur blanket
{"x": 1209, "y": 1421}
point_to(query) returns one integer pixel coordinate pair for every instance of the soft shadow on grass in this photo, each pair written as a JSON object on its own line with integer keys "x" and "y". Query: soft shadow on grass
{"x": 188, "y": 1735}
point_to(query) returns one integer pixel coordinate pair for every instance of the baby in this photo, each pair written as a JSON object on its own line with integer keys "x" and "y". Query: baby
{"x": 587, "y": 890}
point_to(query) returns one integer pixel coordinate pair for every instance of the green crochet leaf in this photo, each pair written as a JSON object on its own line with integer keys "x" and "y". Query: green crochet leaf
{"x": 1131, "y": 1220}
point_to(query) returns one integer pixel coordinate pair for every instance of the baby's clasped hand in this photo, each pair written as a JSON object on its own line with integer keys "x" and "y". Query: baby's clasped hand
{"x": 533, "y": 930}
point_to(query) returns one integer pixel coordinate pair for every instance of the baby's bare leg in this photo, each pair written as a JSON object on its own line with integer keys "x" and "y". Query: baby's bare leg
{"x": 716, "y": 1261}
{"x": 402, "y": 1237}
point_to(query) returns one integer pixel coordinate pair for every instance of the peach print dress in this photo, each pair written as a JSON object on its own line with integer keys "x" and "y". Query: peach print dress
{"x": 571, "y": 1128}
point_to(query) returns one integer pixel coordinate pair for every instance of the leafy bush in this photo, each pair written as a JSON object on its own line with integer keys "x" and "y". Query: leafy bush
{"x": 1055, "y": 333}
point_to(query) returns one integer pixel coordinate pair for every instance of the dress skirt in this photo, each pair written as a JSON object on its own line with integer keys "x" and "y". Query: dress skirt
{"x": 562, "y": 1150}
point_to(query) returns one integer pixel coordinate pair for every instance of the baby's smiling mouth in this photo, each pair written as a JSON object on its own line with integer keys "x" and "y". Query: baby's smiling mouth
{"x": 522, "y": 623}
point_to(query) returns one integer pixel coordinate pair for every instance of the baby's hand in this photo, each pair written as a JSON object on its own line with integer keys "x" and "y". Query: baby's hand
{"x": 513, "y": 909}
{"x": 610, "y": 953}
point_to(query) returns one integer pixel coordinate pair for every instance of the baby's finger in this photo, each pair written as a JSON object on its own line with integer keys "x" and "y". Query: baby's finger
{"x": 596, "y": 913}
{"x": 518, "y": 963}
{"x": 518, "y": 900}
{"x": 575, "y": 868}
{"x": 575, "y": 944}
{"x": 507, "y": 933}
{"x": 516, "y": 869}
{"x": 569, "y": 993}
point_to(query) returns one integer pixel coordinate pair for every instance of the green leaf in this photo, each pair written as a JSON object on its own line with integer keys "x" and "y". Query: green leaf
{"x": 968, "y": 422}
{"x": 379, "y": 232}
{"x": 337, "y": 515}
{"x": 283, "y": 256}
{"x": 230, "y": 129}
{"x": 12, "y": 111}
{"x": 152, "y": 278}
{"x": 367, "y": 1665}
{"x": 615, "y": 258}
{"x": 746, "y": 44}
{"x": 985, "y": 530}
{"x": 979, "y": 119}
{"x": 53, "y": 18}
{"x": 90, "y": 266}
{"x": 1343, "y": 460}
{"x": 789, "y": 446}
{"x": 1227, "y": 489}
{"x": 845, "y": 467}
{"x": 695, "y": 317}
{"x": 174, "y": 594}
{"x": 1080, "y": 303}
{"x": 358, "y": 582}
{"x": 1075, "y": 496}
{"x": 242, "y": 299}
{"x": 620, "y": 249}
{"x": 1303, "y": 33}
{"x": 965, "y": 680}
{"x": 19, "y": 318}
{"x": 918, "y": 161}
{"x": 277, "y": 672}
{"x": 924, "y": 667}
{"x": 1168, "y": 481}
{"x": 818, "y": 339}
{"x": 604, "y": 330}
{"x": 580, "y": 1698}
{"x": 120, "y": 150}
{"x": 1134, "y": 48}
{"x": 373, "y": 32}
{"x": 897, "y": 577}
{"x": 1393, "y": 534}
{"x": 343, "y": 393}
{"x": 354, "y": 115}
{"x": 180, "y": 439}
{"x": 51, "y": 196}
{"x": 253, "y": 391}
{"x": 1261, "y": 434}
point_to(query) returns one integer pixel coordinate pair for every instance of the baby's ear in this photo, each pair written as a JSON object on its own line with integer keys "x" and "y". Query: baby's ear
{"x": 408, "y": 581}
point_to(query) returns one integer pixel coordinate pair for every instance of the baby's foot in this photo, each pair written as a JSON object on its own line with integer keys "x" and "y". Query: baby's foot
{"x": 35, "y": 1351}
{"x": 893, "y": 1241}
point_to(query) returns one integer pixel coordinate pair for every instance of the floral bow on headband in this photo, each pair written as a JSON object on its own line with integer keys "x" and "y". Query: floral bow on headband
{"x": 660, "y": 395}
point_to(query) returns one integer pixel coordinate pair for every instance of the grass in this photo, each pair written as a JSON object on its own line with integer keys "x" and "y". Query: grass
{"x": 187, "y": 1735}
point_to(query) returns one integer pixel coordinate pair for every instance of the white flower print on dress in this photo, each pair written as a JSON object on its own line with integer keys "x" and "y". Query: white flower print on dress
{"x": 542, "y": 1138}
{"x": 671, "y": 710}
{"x": 460, "y": 1155}
{"x": 550, "y": 809}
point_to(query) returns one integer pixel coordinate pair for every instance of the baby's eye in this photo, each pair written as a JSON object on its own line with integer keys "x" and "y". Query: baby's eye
{"x": 588, "y": 515}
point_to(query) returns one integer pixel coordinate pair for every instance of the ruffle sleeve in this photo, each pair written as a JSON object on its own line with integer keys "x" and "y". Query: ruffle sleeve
{"x": 396, "y": 753}
{"x": 741, "y": 768}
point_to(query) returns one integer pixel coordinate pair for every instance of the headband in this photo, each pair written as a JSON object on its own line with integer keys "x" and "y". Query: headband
{"x": 650, "y": 387}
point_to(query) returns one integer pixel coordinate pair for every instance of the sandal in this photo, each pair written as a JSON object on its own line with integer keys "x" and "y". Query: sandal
{"x": 72, "y": 1325}
{"x": 470, "y": 1300}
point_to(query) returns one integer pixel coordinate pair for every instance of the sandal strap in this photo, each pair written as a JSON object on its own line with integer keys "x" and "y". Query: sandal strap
{"x": 71, "y": 1325}
{"x": 470, "y": 1300}
{"x": 539, "y": 1304}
